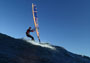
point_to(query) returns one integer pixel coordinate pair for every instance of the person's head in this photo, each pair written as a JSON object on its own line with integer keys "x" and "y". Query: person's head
{"x": 29, "y": 27}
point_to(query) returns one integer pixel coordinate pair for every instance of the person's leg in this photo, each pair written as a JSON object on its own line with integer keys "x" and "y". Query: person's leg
{"x": 30, "y": 36}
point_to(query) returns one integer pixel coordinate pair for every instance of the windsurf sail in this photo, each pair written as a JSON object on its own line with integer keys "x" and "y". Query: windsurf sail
{"x": 35, "y": 18}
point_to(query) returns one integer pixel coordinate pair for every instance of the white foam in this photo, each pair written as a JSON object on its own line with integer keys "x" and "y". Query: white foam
{"x": 40, "y": 44}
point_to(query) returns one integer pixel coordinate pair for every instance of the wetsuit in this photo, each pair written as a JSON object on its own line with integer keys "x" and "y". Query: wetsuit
{"x": 27, "y": 33}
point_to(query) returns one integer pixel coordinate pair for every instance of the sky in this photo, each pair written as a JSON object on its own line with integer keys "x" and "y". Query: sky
{"x": 64, "y": 23}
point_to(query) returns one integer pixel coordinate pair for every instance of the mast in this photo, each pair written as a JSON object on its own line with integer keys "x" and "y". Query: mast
{"x": 34, "y": 12}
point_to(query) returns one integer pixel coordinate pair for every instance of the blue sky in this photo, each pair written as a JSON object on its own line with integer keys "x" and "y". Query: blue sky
{"x": 64, "y": 23}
